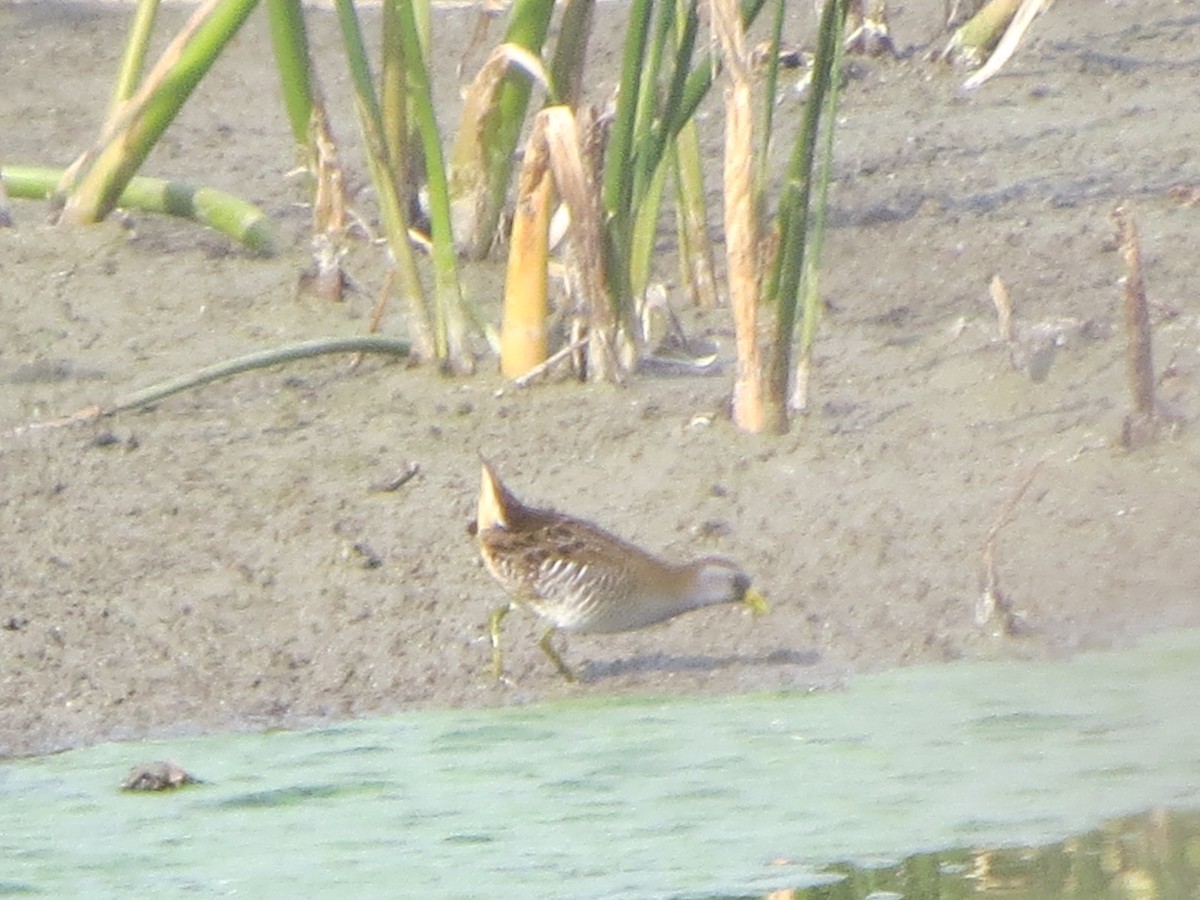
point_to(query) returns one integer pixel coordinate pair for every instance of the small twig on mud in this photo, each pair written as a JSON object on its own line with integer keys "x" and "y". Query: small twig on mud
{"x": 1004, "y": 308}
{"x": 329, "y": 204}
{"x": 1141, "y": 425}
{"x": 993, "y": 603}
{"x": 1185, "y": 194}
{"x": 551, "y": 361}
{"x": 397, "y": 481}
{"x": 381, "y": 305}
{"x": 230, "y": 367}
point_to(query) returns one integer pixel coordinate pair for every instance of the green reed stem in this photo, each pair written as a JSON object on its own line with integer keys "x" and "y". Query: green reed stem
{"x": 639, "y": 167}
{"x": 260, "y": 360}
{"x": 642, "y": 131}
{"x": 391, "y": 206}
{"x": 653, "y": 136}
{"x": 618, "y": 186}
{"x": 222, "y": 212}
{"x": 451, "y": 322}
{"x": 695, "y": 248}
{"x": 811, "y": 273}
{"x": 570, "y": 50}
{"x": 676, "y": 30}
{"x": 699, "y": 81}
{"x": 793, "y": 218}
{"x": 289, "y": 37}
{"x": 393, "y": 103}
{"x": 770, "y": 82}
{"x": 135, "y": 53}
{"x": 645, "y": 232}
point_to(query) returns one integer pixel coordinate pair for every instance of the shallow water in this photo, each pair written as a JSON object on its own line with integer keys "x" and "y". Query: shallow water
{"x": 693, "y": 797}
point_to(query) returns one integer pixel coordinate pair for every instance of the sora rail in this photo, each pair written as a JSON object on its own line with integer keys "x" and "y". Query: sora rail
{"x": 581, "y": 578}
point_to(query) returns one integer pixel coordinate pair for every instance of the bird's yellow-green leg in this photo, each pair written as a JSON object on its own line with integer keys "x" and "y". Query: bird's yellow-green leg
{"x": 563, "y": 669}
{"x": 494, "y": 621}
{"x": 757, "y": 602}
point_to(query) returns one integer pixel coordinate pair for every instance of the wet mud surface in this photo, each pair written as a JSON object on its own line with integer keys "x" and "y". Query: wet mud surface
{"x": 227, "y": 560}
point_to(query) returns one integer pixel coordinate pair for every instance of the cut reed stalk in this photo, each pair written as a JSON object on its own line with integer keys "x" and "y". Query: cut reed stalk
{"x": 741, "y": 243}
{"x": 741, "y": 217}
{"x": 1005, "y": 311}
{"x": 524, "y": 341}
{"x": 994, "y": 606}
{"x": 315, "y": 144}
{"x": 607, "y": 332}
{"x": 1140, "y": 425}
{"x": 974, "y": 39}
{"x": 482, "y": 157}
{"x": 1007, "y": 46}
{"x": 329, "y": 204}
{"x": 469, "y": 187}
{"x": 222, "y": 212}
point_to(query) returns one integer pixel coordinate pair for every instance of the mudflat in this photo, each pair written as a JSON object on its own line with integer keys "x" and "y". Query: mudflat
{"x": 227, "y": 559}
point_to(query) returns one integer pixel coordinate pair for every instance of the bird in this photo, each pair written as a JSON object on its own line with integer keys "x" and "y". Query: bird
{"x": 582, "y": 579}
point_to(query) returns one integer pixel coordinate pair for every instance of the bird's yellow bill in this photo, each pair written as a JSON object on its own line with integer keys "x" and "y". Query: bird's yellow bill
{"x": 757, "y": 602}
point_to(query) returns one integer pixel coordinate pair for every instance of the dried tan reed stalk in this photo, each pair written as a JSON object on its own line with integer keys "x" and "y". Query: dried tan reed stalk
{"x": 973, "y": 39}
{"x": 1015, "y": 30}
{"x": 1140, "y": 425}
{"x": 1004, "y": 308}
{"x": 993, "y": 604}
{"x": 574, "y": 179}
{"x": 741, "y": 226}
{"x": 329, "y": 204}
{"x": 468, "y": 169}
{"x": 524, "y": 341}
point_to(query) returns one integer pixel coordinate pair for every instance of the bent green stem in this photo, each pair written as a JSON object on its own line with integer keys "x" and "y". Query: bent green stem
{"x": 127, "y": 145}
{"x": 220, "y": 211}
{"x": 259, "y": 360}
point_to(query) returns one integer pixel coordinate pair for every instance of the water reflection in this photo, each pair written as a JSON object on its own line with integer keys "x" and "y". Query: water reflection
{"x": 660, "y": 798}
{"x": 1152, "y": 855}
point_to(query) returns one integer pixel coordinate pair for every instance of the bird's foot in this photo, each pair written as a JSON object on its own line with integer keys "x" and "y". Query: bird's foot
{"x": 563, "y": 669}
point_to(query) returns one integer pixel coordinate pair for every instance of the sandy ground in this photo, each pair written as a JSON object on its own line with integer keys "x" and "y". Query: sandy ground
{"x": 225, "y": 560}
